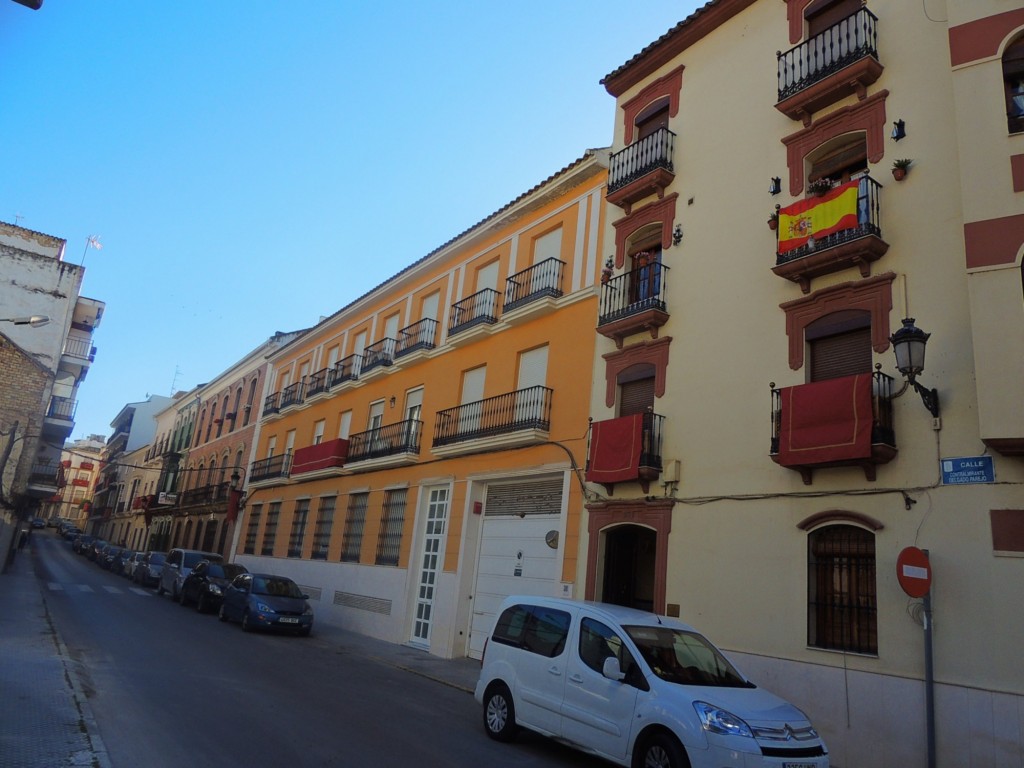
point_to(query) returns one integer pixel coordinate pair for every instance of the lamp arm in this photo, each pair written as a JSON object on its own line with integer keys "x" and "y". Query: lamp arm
{"x": 930, "y": 398}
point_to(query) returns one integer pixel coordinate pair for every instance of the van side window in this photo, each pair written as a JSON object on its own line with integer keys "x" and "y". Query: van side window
{"x": 533, "y": 628}
{"x": 599, "y": 642}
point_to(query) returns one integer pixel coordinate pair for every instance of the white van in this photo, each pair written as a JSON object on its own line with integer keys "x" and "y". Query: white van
{"x": 634, "y": 688}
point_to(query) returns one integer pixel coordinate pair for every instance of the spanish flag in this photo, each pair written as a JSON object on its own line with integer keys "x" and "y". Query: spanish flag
{"x": 819, "y": 216}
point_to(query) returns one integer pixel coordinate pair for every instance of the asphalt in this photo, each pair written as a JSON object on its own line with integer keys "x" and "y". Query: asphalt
{"x": 45, "y": 718}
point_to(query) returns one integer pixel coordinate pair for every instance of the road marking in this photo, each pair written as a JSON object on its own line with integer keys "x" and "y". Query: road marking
{"x": 141, "y": 591}
{"x": 85, "y": 588}
{"x": 113, "y": 590}
{"x": 55, "y": 587}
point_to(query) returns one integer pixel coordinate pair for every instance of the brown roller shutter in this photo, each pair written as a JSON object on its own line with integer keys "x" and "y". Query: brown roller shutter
{"x": 636, "y": 396}
{"x": 843, "y": 354}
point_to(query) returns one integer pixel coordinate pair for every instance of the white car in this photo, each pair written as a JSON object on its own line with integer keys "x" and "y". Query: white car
{"x": 633, "y": 688}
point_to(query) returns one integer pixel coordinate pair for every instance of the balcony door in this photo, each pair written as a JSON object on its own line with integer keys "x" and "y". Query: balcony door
{"x": 472, "y": 392}
{"x": 533, "y": 372}
{"x": 839, "y": 345}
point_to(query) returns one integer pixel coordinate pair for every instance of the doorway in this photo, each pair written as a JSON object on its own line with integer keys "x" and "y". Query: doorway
{"x": 629, "y": 566}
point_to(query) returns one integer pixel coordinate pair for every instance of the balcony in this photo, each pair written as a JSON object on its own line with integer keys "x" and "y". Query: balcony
{"x": 416, "y": 337}
{"x": 626, "y": 449}
{"x": 212, "y": 493}
{"x": 522, "y": 417}
{"x": 379, "y": 355}
{"x": 393, "y": 445}
{"x": 60, "y": 418}
{"x": 843, "y": 422}
{"x": 828, "y": 67}
{"x": 633, "y": 303}
{"x": 293, "y": 394}
{"x": 324, "y": 458}
{"x": 77, "y": 347}
{"x": 318, "y": 382}
{"x": 642, "y": 169}
{"x": 480, "y": 309}
{"x": 272, "y": 404}
{"x": 274, "y": 468}
{"x": 346, "y": 369}
{"x": 44, "y": 479}
{"x": 536, "y": 287}
{"x": 853, "y": 240}
{"x": 80, "y": 482}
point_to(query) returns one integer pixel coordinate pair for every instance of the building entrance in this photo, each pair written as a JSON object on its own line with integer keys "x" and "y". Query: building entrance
{"x": 629, "y": 566}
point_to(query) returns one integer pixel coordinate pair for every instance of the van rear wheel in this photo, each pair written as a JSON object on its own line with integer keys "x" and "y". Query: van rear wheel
{"x": 499, "y": 713}
{"x": 661, "y": 751}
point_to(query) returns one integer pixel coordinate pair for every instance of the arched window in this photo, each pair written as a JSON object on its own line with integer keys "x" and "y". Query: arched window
{"x": 248, "y": 403}
{"x": 842, "y": 603}
{"x": 1013, "y": 83}
{"x": 839, "y": 344}
{"x": 636, "y": 389}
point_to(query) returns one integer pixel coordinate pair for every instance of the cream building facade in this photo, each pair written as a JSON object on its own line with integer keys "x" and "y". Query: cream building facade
{"x": 781, "y": 466}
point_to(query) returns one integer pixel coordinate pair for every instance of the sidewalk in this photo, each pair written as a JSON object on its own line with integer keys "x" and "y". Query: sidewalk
{"x": 45, "y": 719}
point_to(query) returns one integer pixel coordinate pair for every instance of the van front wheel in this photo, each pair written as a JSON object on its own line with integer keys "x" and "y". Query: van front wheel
{"x": 661, "y": 751}
{"x": 499, "y": 713}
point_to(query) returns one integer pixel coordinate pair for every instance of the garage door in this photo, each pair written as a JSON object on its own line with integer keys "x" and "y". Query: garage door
{"x": 515, "y": 557}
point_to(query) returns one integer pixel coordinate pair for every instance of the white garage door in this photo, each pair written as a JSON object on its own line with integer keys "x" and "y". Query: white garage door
{"x": 515, "y": 557}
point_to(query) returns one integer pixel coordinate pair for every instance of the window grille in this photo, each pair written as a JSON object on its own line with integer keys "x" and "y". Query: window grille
{"x": 389, "y": 541}
{"x": 355, "y": 521}
{"x": 250, "y": 533}
{"x": 270, "y": 532}
{"x": 298, "y": 532}
{"x": 322, "y": 530}
{"x": 841, "y": 597}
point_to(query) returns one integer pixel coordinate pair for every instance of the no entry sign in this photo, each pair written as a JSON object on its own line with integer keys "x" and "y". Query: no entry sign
{"x": 914, "y": 572}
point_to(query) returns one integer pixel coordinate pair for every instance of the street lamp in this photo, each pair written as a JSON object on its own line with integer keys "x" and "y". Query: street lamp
{"x": 909, "y": 343}
{"x": 34, "y": 320}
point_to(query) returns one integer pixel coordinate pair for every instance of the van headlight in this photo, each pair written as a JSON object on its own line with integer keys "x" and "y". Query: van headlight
{"x": 720, "y": 721}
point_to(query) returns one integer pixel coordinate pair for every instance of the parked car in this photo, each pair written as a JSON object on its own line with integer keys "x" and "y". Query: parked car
{"x": 96, "y": 548}
{"x": 82, "y": 543}
{"x": 205, "y": 585}
{"x": 147, "y": 572}
{"x": 67, "y": 531}
{"x": 264, "y": 601}
{"x": 633, "y": 688}
{"x": 106, "y": 557}
{"x": 38, "y": 522}
{"x": 120, "y": 560}
{"x": 178, "y": 565}
{"x": 131, "y": 564}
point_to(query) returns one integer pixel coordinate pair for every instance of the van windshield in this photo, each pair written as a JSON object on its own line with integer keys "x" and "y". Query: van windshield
{"x": 685, "y": 658}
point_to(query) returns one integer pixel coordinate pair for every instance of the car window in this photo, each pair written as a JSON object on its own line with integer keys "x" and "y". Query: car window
{"x": 213, "y": 570}
{"x": 685, "y": 658}
{"x": 599, "y": 642}
{"x": 275, "y": 587}
{"x": 241, "y": 582}
{"x": 232, "y": 570}
{"x": 189, "y": 559}
{"x": 157, "y": 558}
{"x": 537, "y": 629}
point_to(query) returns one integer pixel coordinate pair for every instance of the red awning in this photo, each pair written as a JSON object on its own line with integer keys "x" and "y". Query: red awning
{"x": 323, "y": 456}
{"x": 826, "y": 421}
{"x": 615, "y": 448}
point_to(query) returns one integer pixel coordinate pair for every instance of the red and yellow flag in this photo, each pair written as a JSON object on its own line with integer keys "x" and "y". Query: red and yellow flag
{"x": 820, "y": 216}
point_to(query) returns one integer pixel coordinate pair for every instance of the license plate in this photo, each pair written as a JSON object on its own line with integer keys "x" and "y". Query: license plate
{"x": 798, "y": 765}
{"x": 296, "y": 621}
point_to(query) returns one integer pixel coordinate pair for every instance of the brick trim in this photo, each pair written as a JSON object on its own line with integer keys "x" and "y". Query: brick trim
{"x": 995, "y": 242}
{"x": 663, "y": 210}
{"x": 982, "y": 38}
{"x": 653, "y": 352}
{"x": 670, "y": 85}
{"x": 873, "y": 294}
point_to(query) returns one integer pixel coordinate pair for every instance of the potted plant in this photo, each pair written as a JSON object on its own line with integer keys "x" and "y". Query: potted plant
{"x": 819, "y": 187}
{"x": 900, "y": 168}
{"x": 773, "y": 220}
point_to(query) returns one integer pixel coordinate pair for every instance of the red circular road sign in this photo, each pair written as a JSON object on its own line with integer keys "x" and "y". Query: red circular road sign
{"x": 914, "y": 572}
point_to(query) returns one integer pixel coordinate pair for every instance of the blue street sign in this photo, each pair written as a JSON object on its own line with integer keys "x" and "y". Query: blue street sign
{"x": 968, "y": 469}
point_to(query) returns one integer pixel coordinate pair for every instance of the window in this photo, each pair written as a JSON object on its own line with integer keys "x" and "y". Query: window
{"x": 636, "y": 389}
{"x": 823, "y": 14}
{"x": 270, "y": 532}
{"x": 250, "y": 532}
{"x": 355, "y": 520}
{"x": 839, "y": 344}
{"x": 533, "y": 628}
{"x": 652, "y": 119}
{"x": 841, "y": 598}
{"x": 318, "y": 431}
{"x": 298, "y": 528}
{"x": 324, "y": 524}
{"x": 249, "y": 401}
{"x": 345, "y": 425}
{"x": 389, "y": 540}
{"x": 839, "y": 160}
{"x": 645, "y": 276}
{"x": 1013, "y": 83}
{"x": 599, "y": 642}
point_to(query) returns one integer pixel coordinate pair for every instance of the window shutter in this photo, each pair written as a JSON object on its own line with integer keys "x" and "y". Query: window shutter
{"x": 636, "y": 396}
{"x": 843, "y": 354}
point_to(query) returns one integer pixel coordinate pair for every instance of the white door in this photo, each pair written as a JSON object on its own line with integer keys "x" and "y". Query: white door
{"x": 487, "y": 277}
{"x": 428, "y": 310}
{"x": 430, "y": 563}
{"x": 472, "y": 392}
{"x": 358, "y": 348}
{"x": 413, "y": 412}
{"x": 533, "y": 371}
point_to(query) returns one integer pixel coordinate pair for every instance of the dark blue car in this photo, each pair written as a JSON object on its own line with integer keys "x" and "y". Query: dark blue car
{"x": 265, "y": 601}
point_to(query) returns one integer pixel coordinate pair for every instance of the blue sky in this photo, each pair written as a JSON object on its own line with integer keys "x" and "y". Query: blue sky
{"x": 251, "y": 166}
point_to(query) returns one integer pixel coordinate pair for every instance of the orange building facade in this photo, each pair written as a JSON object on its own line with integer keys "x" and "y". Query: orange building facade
{"x": 420, "y": 452}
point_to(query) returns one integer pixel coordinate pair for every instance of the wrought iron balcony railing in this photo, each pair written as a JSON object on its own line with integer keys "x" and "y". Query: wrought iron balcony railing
{"x": 842, "y": 44}
{"x": 419, "y": 335}
{"x": 292, "y": 394}
{"x": 78, "y": 347}
{"x": 273, "y": 467}
{"x": 399, "y": 438}
{"x": 62, "y": 408}
{"x": 869, "y": 218}
{"x": 528, "y": 408}
{"x": 640, "y": 158}
{"x": 272, "y": 404}
{"x": 205, "y": 494}
{"x": 346, "y": 369}
{"x": 539, "y": 281}
{"x": 480, "y": 308}
{"x": 634, "y": 292}
{"x": 317, "y": 382}
{"x": 379, "y": 354}
{"x": 46, "y": 474}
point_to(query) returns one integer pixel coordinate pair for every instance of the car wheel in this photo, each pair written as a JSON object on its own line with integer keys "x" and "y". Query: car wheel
{"x": 305, "y": 632}
{"x": 246, "y": 623}
{"x": 499, "y": 713}
{"x": 662, "y": 751}
{"x": 160, "y": 589}
{"x": 221, "y": 615}
{"x": 201, "y": 602}
{"x": 180, "y": 597}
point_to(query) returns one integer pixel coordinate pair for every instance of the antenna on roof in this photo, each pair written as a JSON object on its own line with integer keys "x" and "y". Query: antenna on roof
{"x": 174, "y": 381}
